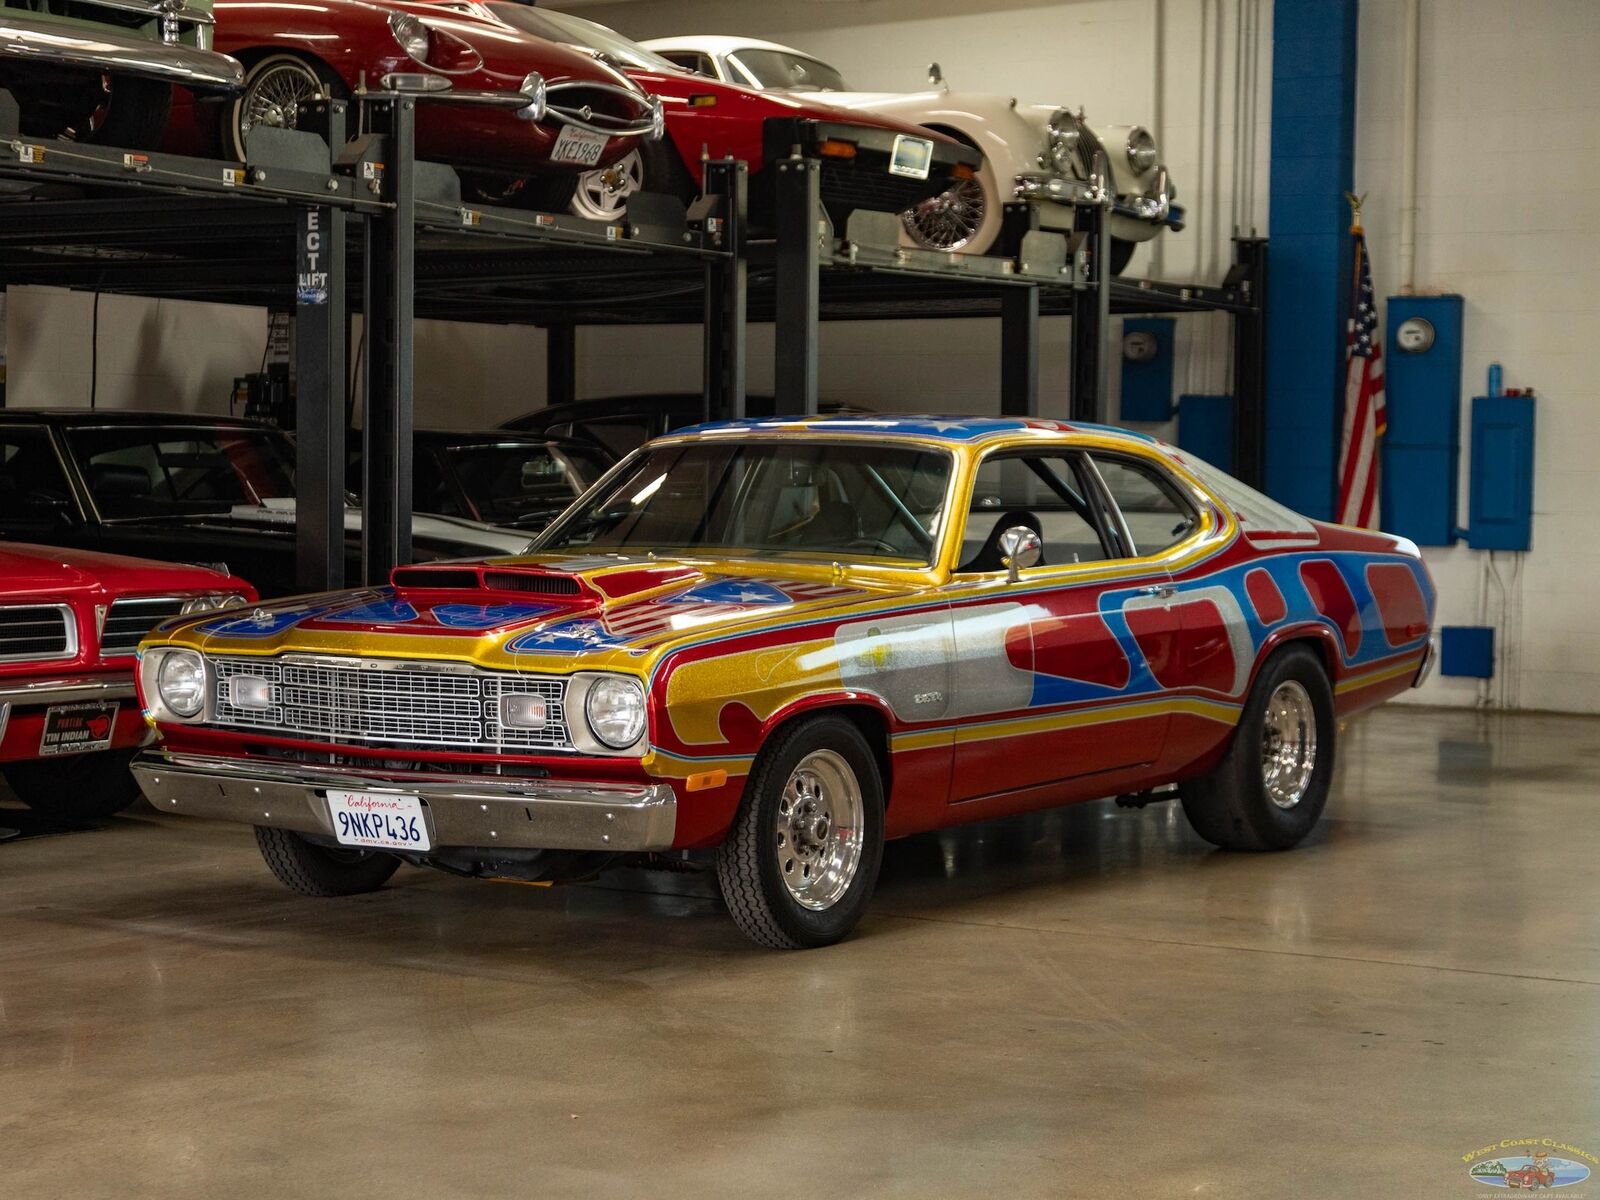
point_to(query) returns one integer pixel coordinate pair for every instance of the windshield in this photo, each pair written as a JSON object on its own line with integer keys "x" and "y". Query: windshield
{"x": 152, "y": 471}
{"x": 825, "y": 500}
{"x": 575, "y": 31}
{"x": 778, "y": 69}
{"x": 517, "y": 483}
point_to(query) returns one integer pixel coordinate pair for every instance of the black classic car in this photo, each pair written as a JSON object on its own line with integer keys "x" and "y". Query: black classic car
{"x": 621, "y": 424}
{"x": 181, "y": 488}
{"x": 515, "y": 480}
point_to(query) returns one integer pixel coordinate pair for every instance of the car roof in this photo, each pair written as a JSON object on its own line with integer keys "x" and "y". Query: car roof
{"x": 101, "y": 416}
{"x": 720, "y": 43}
{"x": 918, "y": 427}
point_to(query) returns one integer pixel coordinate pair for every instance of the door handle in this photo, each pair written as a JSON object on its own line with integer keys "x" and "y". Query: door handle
{"x": 1161, "y": 591}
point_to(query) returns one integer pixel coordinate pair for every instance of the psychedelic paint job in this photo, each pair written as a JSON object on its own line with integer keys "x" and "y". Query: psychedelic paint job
{"x": 984, "y": 695}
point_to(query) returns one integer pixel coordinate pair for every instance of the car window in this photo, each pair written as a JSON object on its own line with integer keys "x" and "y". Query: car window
{"x": 621, "y": 435}
{"x": 1045, "y": 492}
{"x": 517, "y": 483}
{"x": 145, "y": 471}
{"x": 577, "y": 31}
{"x": 833, "y": 501}
{"x": 776, "y": 69}
{"x": 34, "y": 492}
{"x": 1151, "y": 506}
{"x": 691, "y": 60}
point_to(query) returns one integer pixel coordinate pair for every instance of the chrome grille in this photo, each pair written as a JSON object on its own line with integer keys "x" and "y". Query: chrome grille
{"x": 409, "y": 704}
{"x": 37, "y": 631}
{"x": 129, "y": 621}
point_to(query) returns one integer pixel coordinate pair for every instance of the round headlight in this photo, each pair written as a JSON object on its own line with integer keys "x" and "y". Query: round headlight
{"x": 181, "y": 682}
{"x": 412, "y": 35}
{"x": 1141, "y": 150}
{"x": 1065, "y": 135}
{"x": 615, "y": 708}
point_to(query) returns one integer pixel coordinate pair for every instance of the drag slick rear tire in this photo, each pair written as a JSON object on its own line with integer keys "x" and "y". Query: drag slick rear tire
{"x": 313, "y": 870}
{"x": 1271, "y": 786}
{"x": 802, "y": 858}
{"x": 77, "y": 787}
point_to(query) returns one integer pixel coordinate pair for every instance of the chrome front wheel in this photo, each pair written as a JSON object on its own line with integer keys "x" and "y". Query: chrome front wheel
{"x": 819, "y": 835}
{"x": 602, "y": 195}
{"x": 952, "y": 219}
{"x": 1288, "y": 744}
{"x": 275, "y": 91}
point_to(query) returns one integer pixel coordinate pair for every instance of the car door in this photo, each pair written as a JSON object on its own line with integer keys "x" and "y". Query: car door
{"x": 1053, "y": 681}
{"x": 37, "y": 500}
{"x": 1192, "y": 631}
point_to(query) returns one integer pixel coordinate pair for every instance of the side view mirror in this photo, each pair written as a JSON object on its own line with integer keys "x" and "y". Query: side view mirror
{"x": 935, "y": 74}
{"x": 1020, "y": 548}
{"x": 56, "y": 505}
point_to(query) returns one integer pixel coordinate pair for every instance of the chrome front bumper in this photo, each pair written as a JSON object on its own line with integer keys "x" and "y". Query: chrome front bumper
{"x": 460, "y": 810}
{"x": 66, "y": 691}
{"x": 1056, "y": 189}
{"x": 57, "y": 43}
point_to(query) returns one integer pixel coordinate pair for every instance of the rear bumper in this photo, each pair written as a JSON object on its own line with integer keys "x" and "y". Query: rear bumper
{"x": 1430, "y": 654}
{"x": 58, "y": 43}
{"x": 460, "y": 810}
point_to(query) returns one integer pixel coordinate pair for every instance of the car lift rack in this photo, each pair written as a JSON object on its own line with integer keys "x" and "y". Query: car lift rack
{"x": 316, "y": 209}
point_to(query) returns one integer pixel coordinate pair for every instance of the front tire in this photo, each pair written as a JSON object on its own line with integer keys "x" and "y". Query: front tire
{"x": 1271, "y": 786}
{"x": 322, "y": 871}
{"x": 274, "y": 90}
{"x": 964, "y": 218}
{"x": 82, "y": 787}
{"x": 803, "y": 855}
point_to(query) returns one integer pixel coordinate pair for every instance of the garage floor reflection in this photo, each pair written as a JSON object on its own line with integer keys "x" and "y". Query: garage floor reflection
{"x": 1084, "y": 1002}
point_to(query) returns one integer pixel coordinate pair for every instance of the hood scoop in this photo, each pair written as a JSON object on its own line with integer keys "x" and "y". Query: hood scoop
{"x": 476, "y": 578}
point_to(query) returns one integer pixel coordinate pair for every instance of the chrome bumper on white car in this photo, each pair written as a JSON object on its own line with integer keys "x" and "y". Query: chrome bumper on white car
{"x": 459, "y": 810}
{"x": 1056, "y": 189}
{"x": 57, "y": 43}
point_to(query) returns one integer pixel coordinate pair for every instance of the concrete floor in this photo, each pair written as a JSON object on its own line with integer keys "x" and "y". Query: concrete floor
{"x": 1083, "y": 1003}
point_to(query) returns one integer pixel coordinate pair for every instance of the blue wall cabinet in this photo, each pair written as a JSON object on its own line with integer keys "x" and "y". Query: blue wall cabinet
{"x": 1500, "y": 504}
{"x": 1467, "y": 651}
{"x": 1422, "y": 451}
{"x": 1147, "y": 368}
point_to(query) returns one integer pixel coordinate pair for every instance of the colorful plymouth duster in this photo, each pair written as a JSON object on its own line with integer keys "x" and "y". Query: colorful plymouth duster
{"x": 783, "y": 641}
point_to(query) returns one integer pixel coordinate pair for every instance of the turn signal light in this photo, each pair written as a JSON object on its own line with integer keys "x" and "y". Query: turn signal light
{"x": 705, "y": 781}
{"x": 963, "y": 171}
{"x": 702, "y": 101}
{"x": 835, "y": 148}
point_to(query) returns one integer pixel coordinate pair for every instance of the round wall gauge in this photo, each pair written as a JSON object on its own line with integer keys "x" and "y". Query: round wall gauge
{"x": 1414, "y": 335}
{"x": 1140, "y": 346}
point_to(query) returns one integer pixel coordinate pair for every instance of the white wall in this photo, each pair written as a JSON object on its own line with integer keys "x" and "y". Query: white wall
{"x": 1508, "y": 169}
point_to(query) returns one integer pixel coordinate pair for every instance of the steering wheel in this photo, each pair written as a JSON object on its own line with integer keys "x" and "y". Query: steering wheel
{"x": 867, "y": 541}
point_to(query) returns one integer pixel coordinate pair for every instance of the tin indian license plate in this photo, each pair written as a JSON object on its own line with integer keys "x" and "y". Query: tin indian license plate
{"x": 579, "y": 146}
{"x": 378, "y": 822}
{"x": 78, "y": 728}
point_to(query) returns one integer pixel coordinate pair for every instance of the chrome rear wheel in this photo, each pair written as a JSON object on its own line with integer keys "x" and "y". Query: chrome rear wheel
{"x": 1288, "y": 744}
{"x": 275, "y": 91}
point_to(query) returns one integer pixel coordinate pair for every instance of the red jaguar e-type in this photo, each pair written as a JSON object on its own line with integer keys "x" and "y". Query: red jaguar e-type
{"x": 522, "y": 115}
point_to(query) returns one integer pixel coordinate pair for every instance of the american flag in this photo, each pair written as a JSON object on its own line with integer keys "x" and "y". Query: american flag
{"x": 1365, "y": 414}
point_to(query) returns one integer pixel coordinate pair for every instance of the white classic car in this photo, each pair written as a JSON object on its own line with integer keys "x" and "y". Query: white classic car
{"x": 1039, "y": 152}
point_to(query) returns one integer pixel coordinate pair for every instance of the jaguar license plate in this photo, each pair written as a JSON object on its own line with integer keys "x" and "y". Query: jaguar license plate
{"x": 580, "y": 146}
{"x": 78, "y": 728}
{"x": 378, "y": 822}
{"x": 911, "y": 157}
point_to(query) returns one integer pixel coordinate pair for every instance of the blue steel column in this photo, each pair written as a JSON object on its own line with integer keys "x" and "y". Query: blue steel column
{"x": 1313, "y": 142}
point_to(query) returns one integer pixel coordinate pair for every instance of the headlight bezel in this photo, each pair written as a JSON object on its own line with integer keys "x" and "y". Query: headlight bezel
{"x": 1141, "y": 151}
{"x": 1063, "y": 140}
{"x": 408, "y": 31}
{"x": 156, "y": 692}
{"x": 593, "y": 732}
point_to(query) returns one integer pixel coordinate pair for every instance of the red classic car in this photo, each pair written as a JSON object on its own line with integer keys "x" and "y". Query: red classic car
{"x": 70, "y": 623}
{"x": 787, "y": 640}
{"x": 1534, "y": 1175}
{"x": 868, "y": 161}
{"x": 521, "y": 113}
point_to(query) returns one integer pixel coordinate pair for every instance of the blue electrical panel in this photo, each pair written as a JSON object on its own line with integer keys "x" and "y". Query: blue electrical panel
{"x": 1500, "y": 487}
{"x": 1147, "y": 380}
{"x": 1422, "y": 449}
{"x": 1205, "y": 428}
{"x": 1467, "y": 651}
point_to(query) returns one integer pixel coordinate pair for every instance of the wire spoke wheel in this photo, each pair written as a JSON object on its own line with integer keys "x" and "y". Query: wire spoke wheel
{"x": 1288, "y": 744}
{"x": 819, "y": 831}
{"x": 273, "y": 98}
{"x": 603, "y": 195}
{"x": 950, "y": 220}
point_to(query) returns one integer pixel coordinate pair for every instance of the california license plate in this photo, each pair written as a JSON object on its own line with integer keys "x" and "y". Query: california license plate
{"x": 579, "y": 146}
{"x": 78, "y": 728}
{"x": 911, "y": 157}
{"x": 378, "y": 822}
